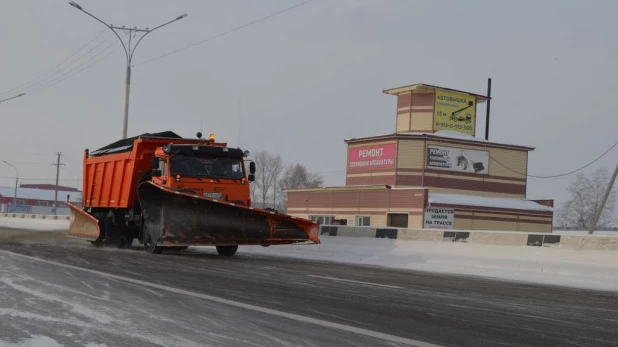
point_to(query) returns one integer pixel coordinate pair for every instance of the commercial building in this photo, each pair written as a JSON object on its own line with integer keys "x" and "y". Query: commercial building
{"x": 38, "y": 199}
{"x": 432, "y": 172}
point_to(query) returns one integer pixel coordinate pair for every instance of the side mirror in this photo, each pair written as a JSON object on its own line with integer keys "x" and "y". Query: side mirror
{"x": 156, "y": 173}
{"x": 252, "y": 167}
{"x": 251, "y": 177}
{"x": 154, "y": 163}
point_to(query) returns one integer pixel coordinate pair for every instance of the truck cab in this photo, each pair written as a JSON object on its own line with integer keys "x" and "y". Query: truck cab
{"x": 205, "y": 169}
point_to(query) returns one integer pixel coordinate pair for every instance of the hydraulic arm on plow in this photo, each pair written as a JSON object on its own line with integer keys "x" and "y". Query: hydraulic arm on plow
{"x": 171, "y": 193}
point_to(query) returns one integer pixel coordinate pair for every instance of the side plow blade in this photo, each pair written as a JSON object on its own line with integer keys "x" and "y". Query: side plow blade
{"x": 83, "y": 225}
{"x": 175, "y": 218}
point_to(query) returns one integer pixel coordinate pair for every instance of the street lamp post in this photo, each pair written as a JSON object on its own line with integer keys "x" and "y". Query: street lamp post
{"x": 12, "y": 97}
{"x": 16, "y": 182}
{"x": 128, "y": 50}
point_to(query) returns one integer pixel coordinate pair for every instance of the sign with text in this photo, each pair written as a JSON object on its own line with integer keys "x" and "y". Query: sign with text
{"x": 372, "y": 157}
{"x": 457, "y": 159}
{"x": 439, "y": 218}
{"x": 455, "y": 111}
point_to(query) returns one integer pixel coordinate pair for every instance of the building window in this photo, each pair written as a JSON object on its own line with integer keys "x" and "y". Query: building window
{"x": 363, "y": 221}
{"x": 322, "y": 220}
{"x": 20, "y": 201}
{"x": 42, "y": 203}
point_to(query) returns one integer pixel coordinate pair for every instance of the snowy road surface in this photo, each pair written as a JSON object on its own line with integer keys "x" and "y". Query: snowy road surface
{"x": 62, "y": 292}
{"x": 542, "y": 265}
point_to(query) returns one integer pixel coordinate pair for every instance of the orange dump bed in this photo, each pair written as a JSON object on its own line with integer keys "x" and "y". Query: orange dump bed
{"x": 111, "y": 175}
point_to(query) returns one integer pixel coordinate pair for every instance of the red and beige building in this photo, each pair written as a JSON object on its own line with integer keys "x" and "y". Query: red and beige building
{"x": 432, "y": 172}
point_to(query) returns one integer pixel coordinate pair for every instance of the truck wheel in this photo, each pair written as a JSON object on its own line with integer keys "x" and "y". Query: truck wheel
{"x": 227, "y": 251}
{"x": 125, "y": 242}
{"x": 150, "y": 246}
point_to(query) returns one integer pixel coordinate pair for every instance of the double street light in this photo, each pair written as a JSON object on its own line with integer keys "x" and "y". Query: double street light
{"x": 129, "y": 50}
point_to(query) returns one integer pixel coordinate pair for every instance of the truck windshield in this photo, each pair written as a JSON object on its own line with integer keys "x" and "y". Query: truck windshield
{"x": 206, "y": 166}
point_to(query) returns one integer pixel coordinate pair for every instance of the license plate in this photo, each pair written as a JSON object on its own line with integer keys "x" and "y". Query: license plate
{"x": 212, "y": 195}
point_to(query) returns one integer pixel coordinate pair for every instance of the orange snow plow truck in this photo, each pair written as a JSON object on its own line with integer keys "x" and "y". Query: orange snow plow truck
{"x": 171, "y": 192}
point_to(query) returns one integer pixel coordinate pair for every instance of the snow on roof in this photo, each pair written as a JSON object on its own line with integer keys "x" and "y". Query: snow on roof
{"x": 39, "y": 194}
{"x": 455, "y": 135}
{"x": 446, "y": 134}
{"x": 430, "y": 87}
{"x": 360, "y": 186}
{"x": 482, "y": 201}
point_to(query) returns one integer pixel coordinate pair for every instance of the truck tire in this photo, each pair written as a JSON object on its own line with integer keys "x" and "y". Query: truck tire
{"x": 125, "y": 242}
{"x": 227, "y": 251}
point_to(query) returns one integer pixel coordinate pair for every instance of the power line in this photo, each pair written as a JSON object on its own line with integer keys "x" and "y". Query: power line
{"x": 558, "y": 175}
{"x": 30, "y": 162}
{"x": 61, "y": 79}
{"x": 40, "y": 86}
{"x": 54, "y": 67}
{"x": 224, "y": 33}
{"x": 70, "y": 66}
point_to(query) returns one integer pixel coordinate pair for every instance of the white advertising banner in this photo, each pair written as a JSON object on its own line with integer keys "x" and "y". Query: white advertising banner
{"x": 457, "y": 159}
{"x": 439, "y": 218}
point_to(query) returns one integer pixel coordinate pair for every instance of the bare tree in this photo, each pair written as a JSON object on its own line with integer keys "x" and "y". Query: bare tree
{"x": 297, "y": 176}
{"x": 268, "y": 170}
{"x": 276, "y": 167}
{"x": 253, "y": 186}
{"x": 586, "y": 194}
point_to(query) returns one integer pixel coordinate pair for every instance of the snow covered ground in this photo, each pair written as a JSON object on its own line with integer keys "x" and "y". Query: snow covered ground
{"x": 585, "y": 232}
{"x": 545, "y": 265}
{"x": 34, "y": 224}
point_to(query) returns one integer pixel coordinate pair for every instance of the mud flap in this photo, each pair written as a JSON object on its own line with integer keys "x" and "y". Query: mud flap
{"x": 176, "y": 218}
{"x": 83, "y": 225}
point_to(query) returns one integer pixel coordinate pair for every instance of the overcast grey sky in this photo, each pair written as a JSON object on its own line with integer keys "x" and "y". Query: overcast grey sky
{"x": 311, "y": 77}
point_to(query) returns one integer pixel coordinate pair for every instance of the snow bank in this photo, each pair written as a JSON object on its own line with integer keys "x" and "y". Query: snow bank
{"x": 33, "y": 341}
{"x": 34, "y": 224}
{"x": 544, "y": 265}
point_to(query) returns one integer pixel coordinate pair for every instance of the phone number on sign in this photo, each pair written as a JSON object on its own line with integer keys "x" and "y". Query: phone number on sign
{"x": 454, "y": 126}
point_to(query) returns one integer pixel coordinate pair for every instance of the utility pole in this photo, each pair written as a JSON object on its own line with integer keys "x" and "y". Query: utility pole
{"x": 57, "y": 164}
{"x": 16, "y": 183}
{"x": 129, "y": 50}
{"x": 239, "y": 119}
{"x": 599, "y": 210}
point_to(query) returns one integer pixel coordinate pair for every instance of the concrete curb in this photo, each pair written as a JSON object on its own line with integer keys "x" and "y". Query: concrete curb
{"x": 503, "y": 238}
{"x": 34, "y": 216}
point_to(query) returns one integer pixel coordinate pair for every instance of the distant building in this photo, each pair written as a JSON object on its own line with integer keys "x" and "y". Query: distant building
{"x": 431, "y": 173}
{"x": 49, "y": 187}
{"x": 37, "y": 200}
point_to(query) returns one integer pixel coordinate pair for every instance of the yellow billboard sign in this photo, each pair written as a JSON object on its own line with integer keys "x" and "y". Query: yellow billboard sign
{"x": 455, "y": 111}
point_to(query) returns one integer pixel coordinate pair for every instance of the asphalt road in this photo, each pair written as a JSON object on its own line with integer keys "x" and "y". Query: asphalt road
{"x": 76, "y": 294}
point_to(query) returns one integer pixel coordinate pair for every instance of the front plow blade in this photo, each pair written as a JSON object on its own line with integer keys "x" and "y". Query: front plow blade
{"x": 83, "y": 225}
{"x": 174, "y": 218}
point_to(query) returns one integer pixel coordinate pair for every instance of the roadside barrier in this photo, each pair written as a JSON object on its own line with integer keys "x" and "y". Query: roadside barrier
{"x": 34, "y": 216}
{"x": 504, "y": 238}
